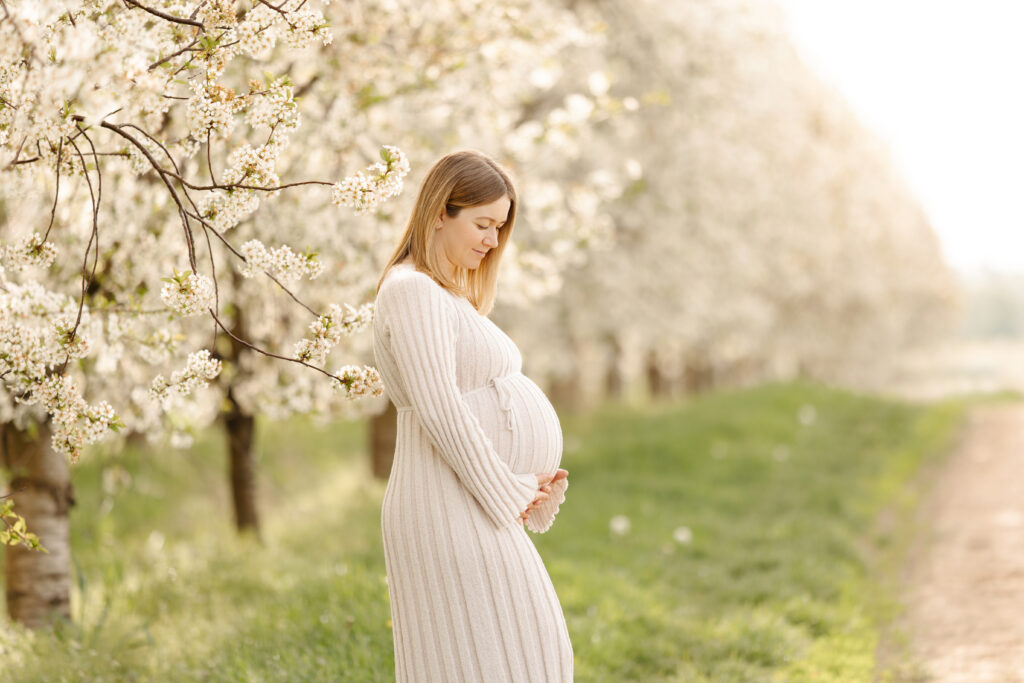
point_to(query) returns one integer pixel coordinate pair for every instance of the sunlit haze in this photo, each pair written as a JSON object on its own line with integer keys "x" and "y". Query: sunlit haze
{"x": 940, "y": 81}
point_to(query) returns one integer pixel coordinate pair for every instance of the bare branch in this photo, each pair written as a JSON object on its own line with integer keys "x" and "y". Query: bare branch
{"x": 87, "y": 277}
{"x": 174, "y": 194}
{"x": 56, "y": 191}
{"x": 171, "y": 56}
{"x": 268, "y": 353}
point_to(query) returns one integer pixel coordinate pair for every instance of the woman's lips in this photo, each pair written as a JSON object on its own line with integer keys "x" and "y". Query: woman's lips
{"x": 482, "y": 253}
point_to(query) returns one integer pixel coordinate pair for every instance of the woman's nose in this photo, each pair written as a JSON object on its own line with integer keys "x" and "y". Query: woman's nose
{"x": 491, "y": 238}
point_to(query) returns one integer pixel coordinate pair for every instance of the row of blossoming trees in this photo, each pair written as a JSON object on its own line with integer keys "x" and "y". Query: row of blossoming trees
{"x": 174, "y": 253}
{"x": 765, "y": 234}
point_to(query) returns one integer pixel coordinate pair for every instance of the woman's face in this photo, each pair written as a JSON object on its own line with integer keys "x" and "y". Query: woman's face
{"x": 465, "y": 240}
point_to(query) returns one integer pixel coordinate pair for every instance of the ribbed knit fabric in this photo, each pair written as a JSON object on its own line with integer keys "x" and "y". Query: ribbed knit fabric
{"x": 471, "y": 599}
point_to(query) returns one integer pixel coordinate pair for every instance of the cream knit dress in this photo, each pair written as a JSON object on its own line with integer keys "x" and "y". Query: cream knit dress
{"x": 471, "y": 599}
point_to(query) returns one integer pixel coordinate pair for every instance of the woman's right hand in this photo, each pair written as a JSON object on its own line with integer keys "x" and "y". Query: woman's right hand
{"x": 544, "y": 481}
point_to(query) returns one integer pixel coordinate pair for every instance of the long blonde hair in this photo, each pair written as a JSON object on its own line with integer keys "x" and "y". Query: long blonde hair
{"x": 456, "y": 181}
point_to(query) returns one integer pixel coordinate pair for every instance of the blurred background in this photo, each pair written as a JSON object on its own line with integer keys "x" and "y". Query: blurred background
{"x": 770, "y": 255}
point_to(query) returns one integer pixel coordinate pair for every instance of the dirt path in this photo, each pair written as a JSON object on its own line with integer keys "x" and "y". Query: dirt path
{"x": 964, "y": 583}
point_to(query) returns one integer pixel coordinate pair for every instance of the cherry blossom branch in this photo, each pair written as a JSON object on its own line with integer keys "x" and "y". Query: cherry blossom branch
{"x": 170, "y": 188}
{"x": 206, "y": 225}
{"x": 203, "y": 222}
{"x": 166, "y": 16}
{"x": 94, "y": 241}
{"x": 269, "y": 354}
{"x": 56, "y": 191}
{"x": 171, "y": 56}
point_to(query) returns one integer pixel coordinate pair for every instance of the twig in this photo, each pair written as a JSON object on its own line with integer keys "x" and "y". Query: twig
{"x": 268, "y": 353}
{"x": 174, "y": 195}
{"x": 56, "y": 191}
{"x": 164, "y": 15}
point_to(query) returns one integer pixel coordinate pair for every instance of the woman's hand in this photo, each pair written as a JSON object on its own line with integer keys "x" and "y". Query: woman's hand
{"x": 544, "y": 481}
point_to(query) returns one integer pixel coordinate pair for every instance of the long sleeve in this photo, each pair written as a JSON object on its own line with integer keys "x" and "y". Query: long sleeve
{"x": 423, "y": 332}
{"x": 543, "y": 516}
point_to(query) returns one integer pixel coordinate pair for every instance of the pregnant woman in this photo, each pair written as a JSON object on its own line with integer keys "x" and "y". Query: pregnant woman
{"x": 478, "y": 449}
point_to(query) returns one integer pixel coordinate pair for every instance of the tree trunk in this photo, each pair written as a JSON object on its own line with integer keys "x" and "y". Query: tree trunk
{"x": 240, "y": 429}
{"x": 615, "y": 381}
{"x": 38, "y": 584}
{"x": 383, "y": 434}
{"x": 566, "y": 393}
{"x": 658, "y": 382}
{"x": 698, "y": 374}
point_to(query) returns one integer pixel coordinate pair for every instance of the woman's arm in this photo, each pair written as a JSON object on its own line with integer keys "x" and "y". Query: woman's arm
{"x": 423, "y": 330}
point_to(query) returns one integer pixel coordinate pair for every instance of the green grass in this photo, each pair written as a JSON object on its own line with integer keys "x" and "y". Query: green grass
{"x": 784, "y": 578}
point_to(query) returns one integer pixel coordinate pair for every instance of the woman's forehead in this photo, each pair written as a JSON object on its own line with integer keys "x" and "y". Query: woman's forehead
{"x": 496, "y": 210}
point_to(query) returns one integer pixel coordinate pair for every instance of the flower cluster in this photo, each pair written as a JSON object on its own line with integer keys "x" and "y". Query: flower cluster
{"x": 31, "y": 251}
{"x": 73, "y": 340}
{"x": 275, "y": 108}
{"x": 158, "y": 346}
{"x": 199, "y": 371}
{"x": 357, "y": 382}
{"x": 218, "y": 13}
{"x": 223, "y": 209}
{"x": 76, "y": 424}
{"x": 329, "y": 329}
{"x": 27, "y": 349}
{"x": 252, "y": 166}
{"x": 382, "y": 180}
{"x": 255, "y": 36}
{"x": 306, "y": 26}
{"x": 280, "y": 261}
{"x": 211, "y": 110}
{"x": 187, "y": 293}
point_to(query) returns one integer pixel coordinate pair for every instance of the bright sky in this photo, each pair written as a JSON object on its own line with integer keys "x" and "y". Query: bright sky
{"x": 943, "y": 82}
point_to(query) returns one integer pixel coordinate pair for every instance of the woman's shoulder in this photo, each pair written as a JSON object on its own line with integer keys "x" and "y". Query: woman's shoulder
{"x": 405, "y": 275}
{"x": 405, "y": 282}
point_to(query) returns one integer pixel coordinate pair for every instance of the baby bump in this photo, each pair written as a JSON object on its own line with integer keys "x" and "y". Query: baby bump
{"x": 520, "y": 421}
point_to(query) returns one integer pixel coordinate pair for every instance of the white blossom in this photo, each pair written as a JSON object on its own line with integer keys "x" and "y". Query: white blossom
{"x": 279, "y": 261}
{"x": 188, "y": 293}
{"x": 328, "y": 330}
{"x": 30, "y": 252}
{"x": 357, "y": 382}
{"x": 199, "y": 371}
{"x": 380, "y": 181}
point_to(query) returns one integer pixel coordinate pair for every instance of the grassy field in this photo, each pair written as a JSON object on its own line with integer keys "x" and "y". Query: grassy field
{"x": 753, "y": 550}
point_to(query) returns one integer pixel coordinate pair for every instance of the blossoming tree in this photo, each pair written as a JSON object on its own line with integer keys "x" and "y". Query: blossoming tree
{"x": 765, "y": 235}
{"x": 154, "y": 131}
{"x": 118, "y": 114}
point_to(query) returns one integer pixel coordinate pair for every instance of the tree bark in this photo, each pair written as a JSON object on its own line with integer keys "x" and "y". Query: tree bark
{"x": 698, "y": 374}
{"x": 383, "y": 434}
{"x": 240, "y": 430}
{"x": 659, "y": 383}
{"x": 38, "y": 584}
{"x": 566, "y": 392}
{"x": 615, "y": 381}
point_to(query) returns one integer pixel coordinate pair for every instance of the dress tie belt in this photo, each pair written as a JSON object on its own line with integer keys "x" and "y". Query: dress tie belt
{"x": 504, "y": 399}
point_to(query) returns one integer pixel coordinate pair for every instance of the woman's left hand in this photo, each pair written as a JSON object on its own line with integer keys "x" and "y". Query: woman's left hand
{"x": 544, "y": 490}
